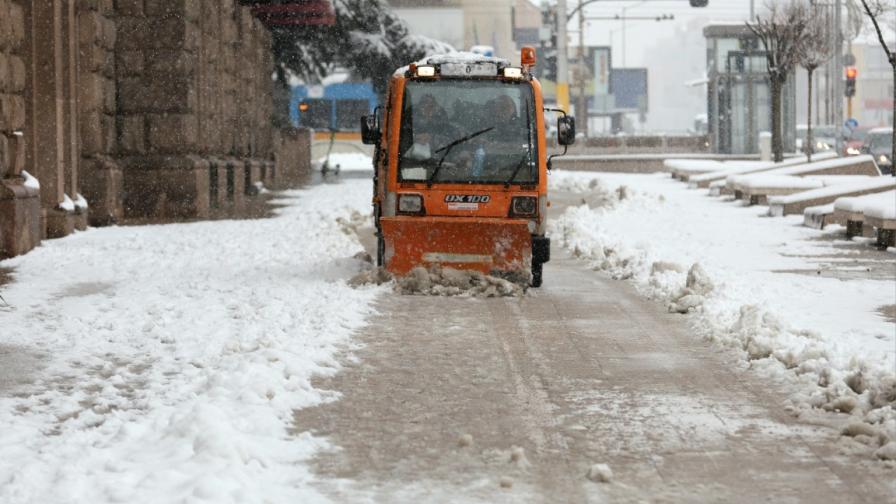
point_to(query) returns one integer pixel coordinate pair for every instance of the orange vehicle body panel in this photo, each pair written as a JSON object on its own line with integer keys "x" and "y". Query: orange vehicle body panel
{"x": 486, "y": 245}
{"x": 483, "y": 237}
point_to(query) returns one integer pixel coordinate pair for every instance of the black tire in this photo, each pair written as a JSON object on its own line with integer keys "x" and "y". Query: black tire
{"x": 536, "y": 275}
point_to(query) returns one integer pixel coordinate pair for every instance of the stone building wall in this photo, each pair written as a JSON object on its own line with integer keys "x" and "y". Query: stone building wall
{"x": 19, "y": 202}
{"x": 133, "y": 110}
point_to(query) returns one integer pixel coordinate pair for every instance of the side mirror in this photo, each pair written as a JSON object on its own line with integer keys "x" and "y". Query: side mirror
{"x": 566, "y": 130}
{"x": 370, "y": 130}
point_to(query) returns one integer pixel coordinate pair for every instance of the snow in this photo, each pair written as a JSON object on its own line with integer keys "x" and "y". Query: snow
{"x": 779, "y": 182}
{"x": 30, "y": 181}
{"x": 883, "y": 207}
{"x": 856, "y": 204}
{"x": 847, "y": 185}
{"x": 80, "y": 202}
{"x": 803, "y": 169}
{"x": 600, "y": 473}
{"x": 349, "y": 161}
{"x": 744, "y": 167}
{"x": 752, "y": 284}
{"x": 67, "y": 204}
{"x": 174, "y": 356}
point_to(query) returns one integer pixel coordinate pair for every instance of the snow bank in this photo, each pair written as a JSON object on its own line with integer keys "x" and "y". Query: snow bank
{"x": 724, "y": 266}
{"x": 804, "y": 168}
{"x": 176, "y": 355}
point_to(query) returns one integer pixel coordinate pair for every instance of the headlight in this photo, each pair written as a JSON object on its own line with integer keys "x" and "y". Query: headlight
{"x": 523, "y": 206}
{"x": 410, "y": 204}
{"x": 426, "y": 71}
{"x": 852, "y": 151}
{"x": 883, "y": 159}
{"x": 513, "y": 73}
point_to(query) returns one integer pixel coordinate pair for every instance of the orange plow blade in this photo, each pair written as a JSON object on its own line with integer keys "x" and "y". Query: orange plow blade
{"x": 486, "y": 245}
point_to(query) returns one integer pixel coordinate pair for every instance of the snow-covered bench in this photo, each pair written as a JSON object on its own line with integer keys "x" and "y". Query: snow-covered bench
{"x": 852, "y": 212}
{"x": 798, "y": 202}
{"x": 855, "y": 165}
{"x": 818, "y": 217}
{"x": 683, "y": 169}
{"x": 728, "y": 168}
{"x": 759, "y": 188}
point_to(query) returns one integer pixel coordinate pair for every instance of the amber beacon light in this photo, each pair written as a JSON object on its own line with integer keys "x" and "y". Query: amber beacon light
{"x": 527, "y": 56}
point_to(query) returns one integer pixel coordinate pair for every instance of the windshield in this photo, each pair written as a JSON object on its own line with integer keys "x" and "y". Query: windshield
{"x": 468, "y": 131}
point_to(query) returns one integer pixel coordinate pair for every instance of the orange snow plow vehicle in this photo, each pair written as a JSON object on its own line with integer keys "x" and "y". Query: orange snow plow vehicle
{"x": 460, "y": 167}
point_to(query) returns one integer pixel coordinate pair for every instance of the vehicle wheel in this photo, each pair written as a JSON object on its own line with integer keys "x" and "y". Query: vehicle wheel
{"x": 536, "y": 275}
{"x": 380, "y": 251}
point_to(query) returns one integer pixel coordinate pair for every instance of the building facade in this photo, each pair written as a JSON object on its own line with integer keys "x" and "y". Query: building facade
{"x": 739, "y": 92}
{"x": 132, "y": 109}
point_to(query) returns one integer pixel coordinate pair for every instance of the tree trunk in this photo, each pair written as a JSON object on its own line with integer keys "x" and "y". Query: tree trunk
{"x": 777, "y": 140}
{"x": 810, "y": 142}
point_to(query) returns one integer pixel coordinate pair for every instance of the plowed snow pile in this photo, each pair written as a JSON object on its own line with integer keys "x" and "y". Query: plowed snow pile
{"x": 438, "y": 281}
{"x": 748, "y": 282}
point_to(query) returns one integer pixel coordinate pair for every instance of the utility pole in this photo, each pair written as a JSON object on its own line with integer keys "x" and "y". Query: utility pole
{"x": 838, "y": 73}
{"x": 562, "y": 63}
{"x": 582, "y": 104}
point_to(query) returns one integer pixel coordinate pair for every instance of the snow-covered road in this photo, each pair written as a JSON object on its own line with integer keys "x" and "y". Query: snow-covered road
{"x": 170, "y": 358}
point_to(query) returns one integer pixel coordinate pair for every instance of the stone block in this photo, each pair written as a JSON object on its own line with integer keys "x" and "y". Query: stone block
{"x": 5, "y": 74}
{"x": 100, "y": 180}
{"x": 166, "y": 188}
{"x": 19, "y": 73}
{"x": 12, "y": 112}
{"x": 6, "y": 34}
{"x": 160, "y": 94}
{"x": 133, "y": 134}
{"x": 57, "y": 223}
{"x": 92, "y": 140}
{"x": 110, "y": 34}
{"x": 17, "y": 24}
{"x": 109, "y": 99}
{"x": 236, "y": 184}
{"x": 186, "y": 9}
{"x": 20, "y": 218}
{"x": 90, "y": 28}
{"x": 133, "y": 34}
{"x": 132, "y": 8}
{"x": 172, "y": 133}
{"x": 92, "y": 92}
{"x": 129, "y": 63}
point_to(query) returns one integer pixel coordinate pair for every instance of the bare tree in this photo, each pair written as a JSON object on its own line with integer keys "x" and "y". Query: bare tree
{"x": 874, "y": 9}
{"x": 816, "y": 49}
{"x": 781, "y": 31}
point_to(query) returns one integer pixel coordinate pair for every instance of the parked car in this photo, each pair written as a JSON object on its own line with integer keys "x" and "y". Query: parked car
{"x": 880, "y": 145}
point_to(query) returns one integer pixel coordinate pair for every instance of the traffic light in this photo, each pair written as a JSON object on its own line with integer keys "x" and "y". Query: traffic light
{"x": 851, "y": 74}
{"x": 699, "y": 3}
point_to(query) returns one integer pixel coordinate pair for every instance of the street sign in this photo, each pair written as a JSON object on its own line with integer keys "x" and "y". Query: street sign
{"x": 852, "y": 123}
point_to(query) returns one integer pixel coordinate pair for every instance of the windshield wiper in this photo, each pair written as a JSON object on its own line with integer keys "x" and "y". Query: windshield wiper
{"x": 519, "y": 167}
{"x": 528, "y": 153}
{"x": 450, "y": 146}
